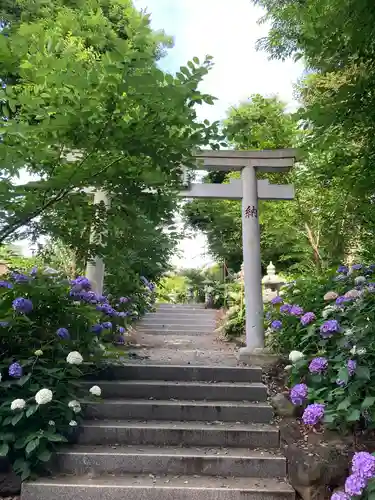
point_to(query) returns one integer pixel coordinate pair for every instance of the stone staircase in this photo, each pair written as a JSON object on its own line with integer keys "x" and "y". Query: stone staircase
{"x": 172, "y": 432}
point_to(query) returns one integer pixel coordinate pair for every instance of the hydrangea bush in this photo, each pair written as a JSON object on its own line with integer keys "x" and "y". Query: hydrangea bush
{"x": 332, "y": 347}
{"x": 51, "y": 333}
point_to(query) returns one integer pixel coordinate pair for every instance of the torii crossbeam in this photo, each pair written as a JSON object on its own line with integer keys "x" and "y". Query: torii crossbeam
{"x": 250, "y": 190}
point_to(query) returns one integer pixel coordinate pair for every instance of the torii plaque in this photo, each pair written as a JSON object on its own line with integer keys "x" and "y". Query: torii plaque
{"x": 248, "y": 189}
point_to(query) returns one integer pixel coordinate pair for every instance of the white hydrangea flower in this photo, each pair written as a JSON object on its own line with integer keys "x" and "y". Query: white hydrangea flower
{"x": 359, "y": 351}
{"x": 38, "y": 352}
{"x": 353, "y": 294}
{"x": 1, "y": 377}
{"x": 74, "y": 358}
{"x": 73, "y": 423}
{"x": 348, "y": 331}
{"x": 75, "y": 405}
{"x": 51, "y": 423}
{"x": 328, "y": 310}
{"x": 359, "y": 280}
{"x": 96, "y": 390}
{"x": 18, "y": 404}
{"x": 43, "y": 396}
{"x": 330, "y": 296}
{"x": 295, "y": 356}
{"x": 288, "y": 368}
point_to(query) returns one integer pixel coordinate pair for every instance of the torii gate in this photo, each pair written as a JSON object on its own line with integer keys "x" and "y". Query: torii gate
{"x": 248, "y": 189}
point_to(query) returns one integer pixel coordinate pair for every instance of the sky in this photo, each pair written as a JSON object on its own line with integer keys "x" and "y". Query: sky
{"x": 227, "y": 31}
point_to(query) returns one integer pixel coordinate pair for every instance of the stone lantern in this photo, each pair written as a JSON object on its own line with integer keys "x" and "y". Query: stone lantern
{"x": 271, "y": 284}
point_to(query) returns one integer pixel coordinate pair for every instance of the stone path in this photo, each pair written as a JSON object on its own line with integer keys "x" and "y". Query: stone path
{"x": 195, "y": 342}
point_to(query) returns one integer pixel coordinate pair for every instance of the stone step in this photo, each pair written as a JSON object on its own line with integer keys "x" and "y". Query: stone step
{"x": 176, "y": 327}
{"x": 174, "y": 307}
{"x": 181, "y": 372}
{"x": 170, "y": 319}
{"x": 173, "y": 331}
{"x": 182, "y": 390}
{"x": 207, "y": 411}
{"x": 156, "y": 488}
{"x": 117, "y": 460}
{"x": 172, "y": 433}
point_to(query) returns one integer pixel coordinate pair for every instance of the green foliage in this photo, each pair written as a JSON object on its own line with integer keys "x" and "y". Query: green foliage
{"x": 35, "y": 357}
{"x": 343, "y": 330}
{"x": 233, "y": 323}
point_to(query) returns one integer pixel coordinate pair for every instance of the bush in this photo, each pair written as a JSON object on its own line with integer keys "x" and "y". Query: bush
{"x": 50, "y": 336}
{"x": 334, "y": 349}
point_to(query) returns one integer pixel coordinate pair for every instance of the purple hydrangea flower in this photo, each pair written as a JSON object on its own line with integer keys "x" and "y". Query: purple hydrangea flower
{"x": 352, "y": 366}
{"x": 329, "y": 327}
{"x": 340, "y": 495}
{"x": 97, "y": 328}
{"x": 124, "y": 300}
{"x": 298, "y": 394}
{"x": 308, "y": 318}
{"x": 342, "y": 299}
{"x": 354, "y": 485}
{"x": 123, "y": 314}
{"x": 343, "y": 269}
{"x": 63, "y": 333}
{"x": 121, "y": 329}
{"x": 107, "y": 309}
{"x": 5, "y": 284}
{"x": 296, "y": 310}
{"x": 22, "y": 305}
{"x": 15, "y": 370}
{"x": 285, "y": 308}
{"x": 313, "y": 414}
{"x": 276, "y": 324}
{"x": 20, "y": 278}
{"x": 356, "y": 267}
{"x": 34, "y": 271}
{"x": 121, "y": 340}
{"x": 107, "y": 325}
{"x": 81, "y": 282}
{"x": 318, "y": 365}
{"x": 363, "y": 465}
{"x": 277, "y": 300}
{"x": 340, "y": 383}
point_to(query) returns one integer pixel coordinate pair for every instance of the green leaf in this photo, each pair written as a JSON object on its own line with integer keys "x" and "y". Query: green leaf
{"x": 31, "y": 446}
{"x": 368, "y": 402}
{"x": 344, "y": 405}
{"x": 363, "y": 372}
{"x": 343, "y": 374}
{"x": 196, "y": 60}
{"x": 7, "y": 420}
{"x": 17, "y": 418}
{"x": 44, "y": 455}
{"x": 329, "y": 418}
{"x": 353, "y": 416}
{"x": 31, "y": 410}
{"x": 4, "y": 448}
{"x": 54, "y": 437}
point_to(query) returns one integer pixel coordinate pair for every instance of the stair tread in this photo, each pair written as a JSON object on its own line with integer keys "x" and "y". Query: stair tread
{"x": 190, "y": 366}
{"x": 187, "y": 425}
{"x": 167, "y": 482}
{"x": 179, "y": 402}
{"x": 174, "y": 451}
{"x": 168, "y": 383}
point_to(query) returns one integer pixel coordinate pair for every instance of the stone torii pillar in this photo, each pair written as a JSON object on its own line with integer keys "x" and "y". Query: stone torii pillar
{"x": 248, "y": 189}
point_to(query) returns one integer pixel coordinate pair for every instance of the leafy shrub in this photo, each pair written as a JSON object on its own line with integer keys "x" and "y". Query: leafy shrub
{"x": 50, "y": 332}
{"x": 233, "y": 324}
{"x": 335, "y": 369}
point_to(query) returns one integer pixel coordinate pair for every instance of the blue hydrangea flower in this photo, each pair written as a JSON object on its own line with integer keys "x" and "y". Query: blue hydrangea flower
{"x": 340, "y": 495}
{"x": 354, "y": 485}
{"x": 82, "y": 282}
{"x": 124, "y": 300}
{"x": 296, "y": 310}
{"x": 329, "y": 327}
{"x": 121, "y": 329}
{"x": 308, "y": 318}
{"x": 63, "y": 333}
{"x": 4, "y": 324}
{"x": 22, "y": 305}
{"x": 107, "y": 325}
{"x": 352, "y": 366}
{"x": 340, "y": 383}
{"x": 98, "y": 328}
{"x": 356, "y": 267}
{"x": 285, "y": 308}
{"x": 298, "y": 394}
{"x": 276, "y": 324}
{"x": 342, "y": 300}
{"x": 277, "y": 300}
{"x": 20, "y": 278}
{"x": 15, "y": 370}
{"x": 313, "y": 414}
{"x": 343, "y": 269}
{"x": 318, "y": 365}
{"x": 363, "y": 465}
{"x": 5, "y": 284}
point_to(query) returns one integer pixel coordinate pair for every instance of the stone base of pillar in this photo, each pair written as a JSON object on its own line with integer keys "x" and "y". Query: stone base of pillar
{"x": 257, "y": 356}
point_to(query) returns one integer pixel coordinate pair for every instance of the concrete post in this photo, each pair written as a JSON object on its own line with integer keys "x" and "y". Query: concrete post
{"x": 252, "y": 261}
{"x": 95, "y": 268}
